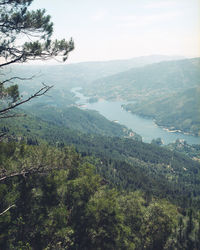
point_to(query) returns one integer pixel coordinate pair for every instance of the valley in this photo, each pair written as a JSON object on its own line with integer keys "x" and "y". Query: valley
{"x": 99, "y": 125}
{"x": 80, "y": 151}
{"x": 142, "y": 90}
{"x": 184, "y": 106}
{"x": 142, "y": 125}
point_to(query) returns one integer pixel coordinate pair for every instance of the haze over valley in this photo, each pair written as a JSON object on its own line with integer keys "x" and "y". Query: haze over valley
{"x": 99, "y": 133}
{"x": 145, "y": 86}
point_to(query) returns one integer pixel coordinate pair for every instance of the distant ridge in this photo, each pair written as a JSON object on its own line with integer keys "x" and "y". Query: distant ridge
{"x": 85, "y": 72}
{"x": 151, "y": 79}
{"x": 149, "y": 58}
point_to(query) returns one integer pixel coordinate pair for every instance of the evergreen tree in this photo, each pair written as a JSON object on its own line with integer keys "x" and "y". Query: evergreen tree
{"x": 18, "y": 23}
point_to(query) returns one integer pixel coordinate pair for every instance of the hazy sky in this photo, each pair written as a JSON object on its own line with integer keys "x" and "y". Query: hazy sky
{"x": 119, "y": 29}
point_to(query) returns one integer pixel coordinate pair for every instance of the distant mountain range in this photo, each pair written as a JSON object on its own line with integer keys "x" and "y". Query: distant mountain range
{"x": 81, "y": 74}
{"x": 153, "y": 82}
{"x": 150, "y": 80}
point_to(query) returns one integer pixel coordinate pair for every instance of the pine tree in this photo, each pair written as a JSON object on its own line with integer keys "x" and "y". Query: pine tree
{"x": 35, "y": 29}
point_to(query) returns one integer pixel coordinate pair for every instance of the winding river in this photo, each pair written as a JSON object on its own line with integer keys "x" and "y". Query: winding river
{"x": 144, "y": 127}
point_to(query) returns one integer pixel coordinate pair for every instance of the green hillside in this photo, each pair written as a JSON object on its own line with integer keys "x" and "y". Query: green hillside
{"x": 153, "y": 80}
{"x": 180, "y": 111}
{"x": 80, "y": 74}
{"x": 71, "y": 190}
{"x": 85, "y": 121}
{"x": 70, "y": 179}
{"x": 62, "y": 203}
{"x": 132, "y": 161}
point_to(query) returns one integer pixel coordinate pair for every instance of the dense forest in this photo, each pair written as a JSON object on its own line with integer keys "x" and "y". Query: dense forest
{"x": 60, "y": 202}
{"x": 86, "y": 121}
{"x": 176, "y": 112}
{"x": 154, "y": 80}
{"x": 70, "y": 178}
{"x": 130, "y": 171}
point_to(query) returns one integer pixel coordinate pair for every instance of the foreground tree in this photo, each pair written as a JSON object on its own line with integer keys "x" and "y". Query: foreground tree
{"x": 160, "y": 219}
{"x": 25, "y": 35}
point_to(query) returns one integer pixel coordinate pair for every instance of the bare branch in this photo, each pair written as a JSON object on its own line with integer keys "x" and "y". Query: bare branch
{"x": 7, "y": 209}
{"x": 11, "y": 116}
{"x": 12, "y": 61}
{"x": 14, "y": 174}
{"x": 35, "y": 169}
{"x": 18, "y": 78}
{"x": 41, "y": 92}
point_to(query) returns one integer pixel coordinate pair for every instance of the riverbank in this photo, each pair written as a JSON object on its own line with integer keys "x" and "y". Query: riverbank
{"x": 158, "y": 122}
{"x": 147, "y": 128}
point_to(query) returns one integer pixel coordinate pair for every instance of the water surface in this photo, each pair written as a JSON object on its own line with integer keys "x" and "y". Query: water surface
{"x": 144, "y": 127}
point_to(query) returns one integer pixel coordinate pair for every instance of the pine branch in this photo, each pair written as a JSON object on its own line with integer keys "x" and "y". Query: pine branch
{"x": 41, "y": 92}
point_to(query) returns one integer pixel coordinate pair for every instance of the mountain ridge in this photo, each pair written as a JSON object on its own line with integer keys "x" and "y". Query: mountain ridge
{"x": 162, "y": 76}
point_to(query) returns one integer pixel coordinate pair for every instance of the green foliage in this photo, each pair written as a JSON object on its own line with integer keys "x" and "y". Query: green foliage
{"x": 155, "y": 80}
{"x": 16, "y": 19}
{"x": 17, "y": 24}
{"x": 157, "y": 141}
{"x": 176, "y": 112}
{"x": 193, "y": 151}
{"x": 68, "y": 206}
{"x": 105, "y": 222}
{"x": 158, "y": 223}
{"x": 125, "y": 163}
{"x": 102, "y": 192}
{"x": 132, "y": 206}
{"x": 85, "y": 121}
{"x": 11, "y": 92}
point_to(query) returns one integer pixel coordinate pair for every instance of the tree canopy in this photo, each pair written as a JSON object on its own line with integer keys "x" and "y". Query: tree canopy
{"x": 25, "y": 35}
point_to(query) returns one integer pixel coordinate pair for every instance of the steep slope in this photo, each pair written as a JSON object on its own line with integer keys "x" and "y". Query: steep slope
{"x": 80, "y": 74}
{"x": 180, "y": 111}
{"x": 85, "y": 121}
{"x": 123, "y": 162}
{"x": 151, "y": 80}
{"x": 65, "y": 204}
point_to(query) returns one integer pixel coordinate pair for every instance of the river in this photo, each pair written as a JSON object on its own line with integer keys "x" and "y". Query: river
{"x": 144, "y": 127}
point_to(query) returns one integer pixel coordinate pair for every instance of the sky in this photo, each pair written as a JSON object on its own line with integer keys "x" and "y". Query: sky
{"x": 122, "y": 29}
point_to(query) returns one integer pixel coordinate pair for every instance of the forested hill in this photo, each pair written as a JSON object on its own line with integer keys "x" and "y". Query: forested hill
{"x": 85, "y": 121}
{"x": 80, "y": 74}
{"x": 180, "y": 111}
{"x": 152, "y": 80}
{"x": 127, "y": 163}
{"x": 69, "y": 190}
{"x": 71, "y": 179}
{"x": 65, "y": 188}
{"x": 60, "y": 202}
